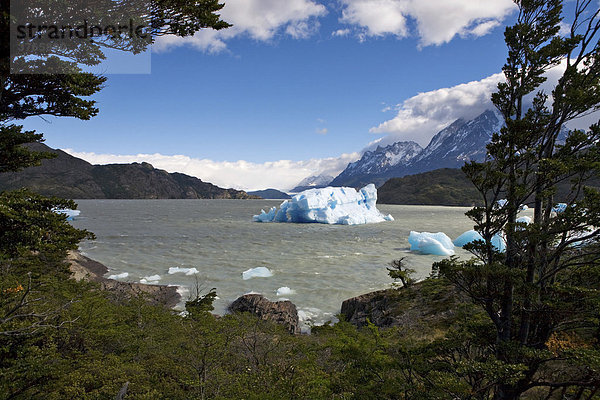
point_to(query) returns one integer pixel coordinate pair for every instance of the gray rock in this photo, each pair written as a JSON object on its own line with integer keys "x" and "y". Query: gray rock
{"x": 281, "y": 312}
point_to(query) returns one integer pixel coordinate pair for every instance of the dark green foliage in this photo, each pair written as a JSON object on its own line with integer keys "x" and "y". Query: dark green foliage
{"x": 201, "y": 304}
{"x": 29, "y": 225}
{"x": 444, "y": 187}
{"x": 13, "y": 156}
{"x": 544, "y": 317}
{"x": 451, "y": 187}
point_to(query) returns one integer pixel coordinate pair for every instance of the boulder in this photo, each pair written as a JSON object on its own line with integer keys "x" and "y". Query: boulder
{"x": 424, "y": 305}
{"x": 280, "y": 312}
{"x": 374, "y": 306}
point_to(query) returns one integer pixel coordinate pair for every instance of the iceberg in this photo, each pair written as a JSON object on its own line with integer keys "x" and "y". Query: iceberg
{"x": 119, "y": 276}
{"x": 525, "y": 220}
{"x": 471, "y": 236}
{"x": 266, "y": 217}
{"x": 71, "y": 214}
{"x": 150, "y": 280}
{"x": 284, "y": 291}
{"x": 559, "y": 208}
{"x": 331, "y": 205}
{"x": 501, "y": 203}
{"x": 467, "y": 237}
{"x": 187, "y": 271}
{"x": 438, "y": 244}
{"x": 258, "y": 272}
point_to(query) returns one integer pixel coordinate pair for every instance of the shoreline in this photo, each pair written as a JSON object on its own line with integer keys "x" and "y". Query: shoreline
{"x": 84, "y": 268}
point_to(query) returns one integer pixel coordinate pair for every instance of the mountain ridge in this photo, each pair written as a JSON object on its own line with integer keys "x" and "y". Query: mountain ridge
{"x": 459, "y": 142}
{"x": 71, "y": 177}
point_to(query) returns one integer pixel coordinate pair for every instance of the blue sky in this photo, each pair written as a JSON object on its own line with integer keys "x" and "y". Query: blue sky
{"x": 297, "y": 87}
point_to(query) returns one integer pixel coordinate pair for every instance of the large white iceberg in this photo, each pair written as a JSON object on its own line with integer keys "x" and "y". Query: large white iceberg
{"x": 438, "y": 244}
{"x": 331, "y": 205}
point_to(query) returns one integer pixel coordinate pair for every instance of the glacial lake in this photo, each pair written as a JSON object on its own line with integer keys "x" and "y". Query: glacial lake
{"x": 322, "y": 264}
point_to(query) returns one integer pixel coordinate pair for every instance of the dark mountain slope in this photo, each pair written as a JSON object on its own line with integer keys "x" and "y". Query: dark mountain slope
{"x": 70, "y": 177}
{"x": 445, "y": 187}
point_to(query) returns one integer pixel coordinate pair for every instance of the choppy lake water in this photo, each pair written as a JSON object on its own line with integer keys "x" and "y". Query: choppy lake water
{"x": 322, "y": 264}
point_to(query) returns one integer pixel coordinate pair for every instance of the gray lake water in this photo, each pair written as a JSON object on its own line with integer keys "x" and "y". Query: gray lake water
{"x": 322, "y": 264}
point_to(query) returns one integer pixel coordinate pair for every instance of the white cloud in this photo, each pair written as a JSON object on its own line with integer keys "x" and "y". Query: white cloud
{"x": 258, "y": 19}
{"x": 341, "y": 32}
{"x": 322, "y": 131}
{"x": 437, "y": 21}
{"x": 378, "y": 17}
{"x": 425, "y": 114}
{"x": 243, "y": 175}
{"x": 420, "y": 117}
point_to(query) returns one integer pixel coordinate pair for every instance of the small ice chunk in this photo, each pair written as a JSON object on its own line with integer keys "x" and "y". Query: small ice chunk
{"x": 119, "y": 276}
{"x": 150, "y": 280}
{"x": 559, "y": 208}
{"x": 258, "y": 272}
{"x": 524, "y": 220}
{"x": 501, "y": 203}
{"x": 331, "y": 205}
{"x": 467, "y": 237}
{"x": 284, "y": 291}
{"x": 187, "y": 271}
{"x": 438, "y": 244}
{"x": 71, "y": 214}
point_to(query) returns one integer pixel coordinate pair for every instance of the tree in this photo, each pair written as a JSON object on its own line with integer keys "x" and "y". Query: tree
{"x": 529, "y": 291}
{"x": 398, "y": 271}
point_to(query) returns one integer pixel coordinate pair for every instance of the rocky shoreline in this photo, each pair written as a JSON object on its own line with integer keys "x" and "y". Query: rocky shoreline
{"x": 84, "y": 268}
{"x": 384, "y": 308}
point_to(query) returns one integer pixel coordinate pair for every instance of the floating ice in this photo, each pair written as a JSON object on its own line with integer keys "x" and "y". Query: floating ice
{"x": 150, "y": 280}
{"x": 258, "y": 272}
{"x": 284, "y": 291}
{"x": 559, "y": 208}
{"x": 472, "y": 235}
{"x": 266, "y": 217}
{"x": 331, "y": 205}
{"x": 438, "y": 244}
{"x": 525, "y": 220}
{"x": 187, "y": 271}
{"x": 467, "y": 237}
{"x": 499, "y": 242}
{"x": 71, "y": 214}
{"x": 119, "y": 276}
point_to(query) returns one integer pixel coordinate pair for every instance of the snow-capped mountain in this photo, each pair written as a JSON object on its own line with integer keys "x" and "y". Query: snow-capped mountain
{"x": 313, "y": 182}
{"x": 459, "y": 142}
{"x": 378, "y": 162}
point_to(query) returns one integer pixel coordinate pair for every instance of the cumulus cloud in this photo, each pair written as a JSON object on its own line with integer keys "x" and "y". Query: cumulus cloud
{"x": 437, "y": 21}
{"x": 258, "y": 19}
{"x": 420, "y": 117}
{"x": 425, "y": 114}
{"x": 322, "y": 131}
{"x": 243, "y": 175}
